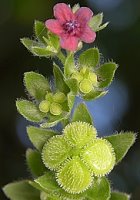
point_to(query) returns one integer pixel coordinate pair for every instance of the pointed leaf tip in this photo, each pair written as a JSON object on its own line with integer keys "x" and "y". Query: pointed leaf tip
{"x": 82, "y": 114}
{"x": 121, "y": 143}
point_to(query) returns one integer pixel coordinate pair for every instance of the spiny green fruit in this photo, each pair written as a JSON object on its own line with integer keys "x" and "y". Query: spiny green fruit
{"x": 55, "y": 151}
{"x": 77, "y": 156}
{"x": 78, "y": 134}
{"x": 99, "y": 157}
{"x": 74, "y": 177}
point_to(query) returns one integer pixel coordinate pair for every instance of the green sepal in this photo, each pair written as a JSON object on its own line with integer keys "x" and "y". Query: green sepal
{"x": 40, "y": 30}
{"x": 34, "y": 162}
{"x": 42, "y": 51}
{"x": 21, "y": 190}
{"x": 94, "y": 95}
{"x": 96, "y": 21}
{"x": 75, "y": 7}
{"x": 100, "y": 190}
{"x": 71, "y": 100}
{"x": 90, "y": 58}
{"x": 59, "y": 80}
{"x": 69, "y": 66}
{"x": 119, "y": 196}
{"x": 82, "y": 114}
{"x": 38, "y": 136}
{"x": 102, "y": 26}
{"x": 36, "y": 84}
{"x": 47, "y": 181}
{"x": 73, "y": 85}
{"x": 28, "y": 43}
{"x": 106, "y": 73}
{"x": 121, "y": 143}
{"x": 29, "y": 110}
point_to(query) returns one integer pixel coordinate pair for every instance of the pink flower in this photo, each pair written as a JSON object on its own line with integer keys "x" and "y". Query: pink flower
{"x": 71, "y": 27}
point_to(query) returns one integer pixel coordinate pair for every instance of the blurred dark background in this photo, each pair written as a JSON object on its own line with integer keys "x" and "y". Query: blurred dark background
{"x": 119, "y": 110}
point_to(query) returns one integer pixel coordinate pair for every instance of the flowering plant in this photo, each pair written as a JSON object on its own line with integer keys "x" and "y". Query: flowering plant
{"x": 73, "y": 163}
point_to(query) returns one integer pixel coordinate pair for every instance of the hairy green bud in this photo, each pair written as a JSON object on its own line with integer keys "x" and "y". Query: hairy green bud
{"x": 44, "y": 106}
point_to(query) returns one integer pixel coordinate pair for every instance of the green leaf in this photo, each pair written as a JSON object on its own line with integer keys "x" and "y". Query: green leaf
{"x": 36, "y": 84}
{"x": 39, "y": 136}
{"x": 73, "y": 85}
{"x": 34, "y": 162}
{"x": 94, "y": 95}
{"x": 82, "y": 114}
{"x": 96, "y": 21}
{"x": 119, "y": 196}
{"x": 71, "y": 100}
{"x": 21, "y": 190}
{"x": 42, "y": 51}
{"x": 54, "y": 120}
{"x": 121, "y": 143}
{"x": 40, "y": 30}
{"x": 29, "y": 111}
{"x": 29, "y": 43}
{"x": 48, "y": 182}
{"x": 69, "y": 66}
{"x": 106, "y": 73}
{"x": 100, "y": 189}
{"x": 59, "y": 80}
{"x": 90, "y": 58}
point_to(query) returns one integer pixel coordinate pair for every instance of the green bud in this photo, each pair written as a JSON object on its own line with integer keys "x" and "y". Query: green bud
{"x": 85, "y": 86}
{"x": 56, "y": 109}
{"x": 59, "y": 97}
{"x": 99, "y": 157}
{"x": 44, "y": 106}
{"x": 74, "y": 177}
{"x": 93, "y": 78}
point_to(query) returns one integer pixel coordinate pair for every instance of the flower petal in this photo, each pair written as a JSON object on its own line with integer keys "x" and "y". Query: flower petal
{"x": 54, "y": 26}
{"x": 88, "y": 35}
{"x": 83, "y": 15}
{"x": 63, "y": 12}
{"x": 69, "y": 42}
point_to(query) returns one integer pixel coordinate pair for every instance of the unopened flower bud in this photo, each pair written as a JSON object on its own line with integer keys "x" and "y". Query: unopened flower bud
{"x": 86, "y": 86}
{"x": 55, "y": 109}
{"x": 44, "y": 106}
{"x": 59, "y": 97}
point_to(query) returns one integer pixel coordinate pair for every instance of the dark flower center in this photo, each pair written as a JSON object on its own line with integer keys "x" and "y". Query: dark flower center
{"x": 71, "y": 27}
